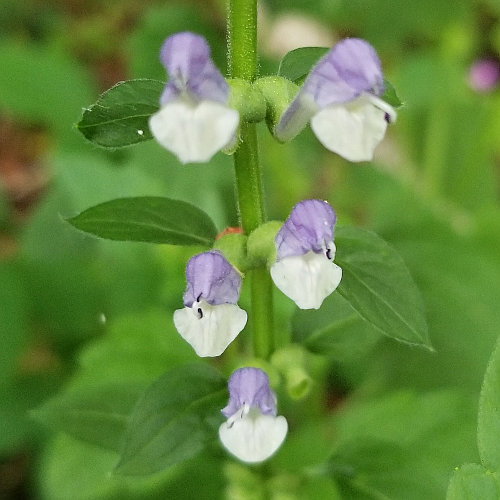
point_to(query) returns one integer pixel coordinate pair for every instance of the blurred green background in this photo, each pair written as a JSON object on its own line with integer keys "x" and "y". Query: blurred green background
{"x": 76, "y": 312}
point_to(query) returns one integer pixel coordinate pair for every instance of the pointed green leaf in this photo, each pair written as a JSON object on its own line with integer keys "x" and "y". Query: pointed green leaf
{"x": 390, "y": 96}
{"x": 174, "y": 420}
{"x": 98, "y": 415}
{"x": 378, "y": 285}
{"x": 488, "y": 424}
{"x": 120, "y": 115}
{"x": 297, "y": 63}
{"x": 149, "y": 218}
{"x": 471, "y": 481}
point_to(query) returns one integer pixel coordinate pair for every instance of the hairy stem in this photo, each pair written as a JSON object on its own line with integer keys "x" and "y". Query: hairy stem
{"x": 242, "y": 59}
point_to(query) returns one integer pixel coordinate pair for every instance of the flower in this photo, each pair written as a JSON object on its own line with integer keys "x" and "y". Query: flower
{"x": 303, "y": 269}
{"x": 341, "y": 98}
{"x": 252, "y": 431}
{"x": 211, "y": 319}
{"x": 194, "y": 121}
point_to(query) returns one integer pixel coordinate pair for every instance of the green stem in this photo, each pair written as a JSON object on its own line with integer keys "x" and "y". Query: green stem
{"x": 242, "y": 58}
{"x": 248, "y": 179}
{"x": 261, "y": 292}
{"x": 242, "y": 39}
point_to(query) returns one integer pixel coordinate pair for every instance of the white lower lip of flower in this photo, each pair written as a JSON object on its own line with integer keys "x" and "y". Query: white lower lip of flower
{"x": 352, "y": 130}
{"x": 194, "y": 133}
{"x": 307, "y": 279}
{"x": 210, "y": 334}
{"x": 253, "y": 437}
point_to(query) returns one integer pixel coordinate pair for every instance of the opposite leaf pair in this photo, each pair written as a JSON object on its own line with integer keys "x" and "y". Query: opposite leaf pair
{"x": 303, "y": 270}
{"x": 340, "y": 97}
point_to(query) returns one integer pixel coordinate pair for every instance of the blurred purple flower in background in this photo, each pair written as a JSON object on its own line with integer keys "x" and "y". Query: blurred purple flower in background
{"x": 484, "y": 75}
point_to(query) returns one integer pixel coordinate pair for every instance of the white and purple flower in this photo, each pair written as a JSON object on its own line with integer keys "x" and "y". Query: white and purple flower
{"x": 211, "y": 318}
{"x": 341, "y": 98}
{"x": 194, "y": 121}
{"x": 303, "y": 269}
{"x": 253, "y": 431}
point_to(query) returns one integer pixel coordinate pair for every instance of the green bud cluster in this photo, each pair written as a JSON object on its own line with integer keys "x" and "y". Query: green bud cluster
{"x": 256, "y": 250}
{"x": 265, "y": 99}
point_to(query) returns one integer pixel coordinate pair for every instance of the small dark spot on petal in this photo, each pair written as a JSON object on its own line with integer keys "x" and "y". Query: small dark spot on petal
{"x": 200, "y": 313}
{"x": 329, "y": 253}
{"x": 387, "y": 118}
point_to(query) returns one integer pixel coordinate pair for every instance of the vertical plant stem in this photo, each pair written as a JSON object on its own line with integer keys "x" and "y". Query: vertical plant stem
{"x": 242, "y": 60}
{"x": 242, "y": 39}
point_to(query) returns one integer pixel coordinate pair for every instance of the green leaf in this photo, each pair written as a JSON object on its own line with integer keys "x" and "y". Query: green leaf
{"x": 149, "y": 218}
{"x": 143, "y": 43}
{"x": 19, "y": 395}
{"x": 471, "y": 481}
{"x": 120, "y": 115}
{"x": 74, "y": 469}
{"x": 335, "y": 330}
{"x": 403, "y": 445}
{"x": 13, "y": 318}
{"x": 297, "y": 63}
{"x": 390, "y": 96}
{"x": 98, "y": 415}
{"x": 135, "y": 349}
{"x": 488, "y": 425}
{"x": 378, "y": 285}
{"x": 53, "y": 86}
{"x": 174, "y": 420}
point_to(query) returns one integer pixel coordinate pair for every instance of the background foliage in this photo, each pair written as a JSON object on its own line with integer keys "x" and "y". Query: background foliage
{"x": 85, "y": 324}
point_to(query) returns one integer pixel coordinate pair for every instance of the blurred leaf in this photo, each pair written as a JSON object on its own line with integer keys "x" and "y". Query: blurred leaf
{"x": 98, "y": 414}
{"x": 150, "y": 219}
{"x": 388, "y": 25}
{"x": 13, "y": 318}
{"x": 471, "y": 481}
{"x": 404, "y": 417}
{"x": 298, "y": 62}
{"x": 18, "y": 396}
{"x": 65, "y": 298}
{"x": 174, "y": 420}
{"x": 319, "y": 488}
{"x": 470, "y": 168}
{"x": 402, "y": 446}
{"x": 160, "y": 21}
{"x": 488, "y": 425}
{"x": 73, "y": 469}
{"x": 136, "y": 349}
{"x": 335, "y": 330}
{"x": 377, "y": 284}
{"x": 5, "y": 211}
{"x": 120, "y": 115}
{"x": 54, "y": 87}
{"x": 309, "y": 446}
